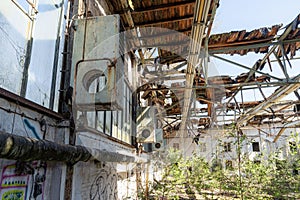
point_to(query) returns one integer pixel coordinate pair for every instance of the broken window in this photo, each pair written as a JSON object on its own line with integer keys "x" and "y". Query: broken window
{"x": 127, "y": 119}
{"x": 30, "y": 57}
{"x": 255, "y": 146}
{"x": 13, "y": 40}
{"x": 227, "y": 146}
{"x": 295, "y": 170}
{"x": 228, "y": 164}
{"x": 257, "y": 162}
{"x": 108, "y": 123}
{"x": 202, "y": 147}
{"x": 100, "y": 121}
{"x": 293, "y": 147}
{"x": 176, "y": 146}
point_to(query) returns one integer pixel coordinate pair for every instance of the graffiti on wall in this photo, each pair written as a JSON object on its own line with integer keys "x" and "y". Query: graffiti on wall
{"x": 31, "y": 128}
{"x": 105, "y": 185}
{"x": 22, "y": 181}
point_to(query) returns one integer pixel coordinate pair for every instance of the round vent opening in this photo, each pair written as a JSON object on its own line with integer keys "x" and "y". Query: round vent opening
{"x": 157, "y": 145}
{"x": 146, "y": 133}
{"x": 94, "y": 81}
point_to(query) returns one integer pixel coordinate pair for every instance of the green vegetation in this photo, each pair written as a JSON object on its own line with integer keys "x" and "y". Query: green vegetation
{"x": 194, "y": 178}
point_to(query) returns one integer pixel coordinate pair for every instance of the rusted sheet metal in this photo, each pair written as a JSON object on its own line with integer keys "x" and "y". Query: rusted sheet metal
{"x": 291, "y": 48}
{"x": 166, "y": 11}
{"x": 175, "y": 15}
{"x": 222, "y": 86}
{"x": 236, "y": 38}
{"x": 224, "y": 79}
{"x": 204, "y": 121}
{"x": 242, "y": 77}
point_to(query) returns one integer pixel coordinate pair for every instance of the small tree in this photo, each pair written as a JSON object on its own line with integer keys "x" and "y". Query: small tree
{"x": 270, "y": 178}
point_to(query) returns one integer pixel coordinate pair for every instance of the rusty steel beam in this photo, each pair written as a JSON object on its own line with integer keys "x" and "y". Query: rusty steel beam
{"x": 16, "y": 147}
{"x": 290, "y": 27}
{"x": 245, "y": 67}
{"x": 288, "y": 125}
{"x": 200, "y": 26}
{"x": 281, "y": 38}
{"x": 275, "y": 97}
{"x": 181, "y": 43}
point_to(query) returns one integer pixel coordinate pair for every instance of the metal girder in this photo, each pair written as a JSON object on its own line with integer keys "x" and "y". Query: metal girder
{"x": 281, "y": 38}
{"x": 247, "y": 45}
{"x": 169, "y": 72}
{"x": 245, "y": 67}
{"x": 276, "y": 96}
{"x": 131, "y": 25}
{"x": 290, "y": 27}
{"x": 201, "y": 23}
{"x": 290, "y": 124}
{"x": 167, "y": 44}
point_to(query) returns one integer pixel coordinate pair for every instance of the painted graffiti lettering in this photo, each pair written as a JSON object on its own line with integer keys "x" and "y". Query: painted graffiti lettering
{"x": 32, "y": 128}
{"x": 104, "y": 186}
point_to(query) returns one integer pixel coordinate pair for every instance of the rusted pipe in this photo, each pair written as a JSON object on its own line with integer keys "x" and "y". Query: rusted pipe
{"x": 16, "y": 147}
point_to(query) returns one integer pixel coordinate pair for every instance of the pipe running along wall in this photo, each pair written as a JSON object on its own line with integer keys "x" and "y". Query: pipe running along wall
{"x": 16, "y": 147}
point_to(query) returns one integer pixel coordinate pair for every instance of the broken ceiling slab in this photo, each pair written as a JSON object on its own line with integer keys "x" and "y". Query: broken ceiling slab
{"x": 237, "y": 38}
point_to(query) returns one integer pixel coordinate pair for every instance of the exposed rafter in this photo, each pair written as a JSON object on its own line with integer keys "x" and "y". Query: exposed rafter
{"x": 160, "y": 7}
{"x": 164, "y": 21}
{"x": 132, "y": 26}
{"x": 166, "y": 33}
{"x": 237, "y": 46}
{"x": 168, "y": 44}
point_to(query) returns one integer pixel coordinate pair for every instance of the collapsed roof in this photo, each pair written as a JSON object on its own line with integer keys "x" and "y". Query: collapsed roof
{"x": 180, "y": 31}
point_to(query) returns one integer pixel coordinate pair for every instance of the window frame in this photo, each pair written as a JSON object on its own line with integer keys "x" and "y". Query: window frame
{"x": 227, "y": 147}
{"x": 255, "y": 147}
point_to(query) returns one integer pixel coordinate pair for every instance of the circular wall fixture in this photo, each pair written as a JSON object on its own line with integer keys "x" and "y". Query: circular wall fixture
{"x": 94, "y": 81}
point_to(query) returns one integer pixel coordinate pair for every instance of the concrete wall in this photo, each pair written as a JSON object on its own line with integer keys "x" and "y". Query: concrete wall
{"x": 43, "y": 180}
{"x": 214, "y": 139}
{"x": 100, "y": 179}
